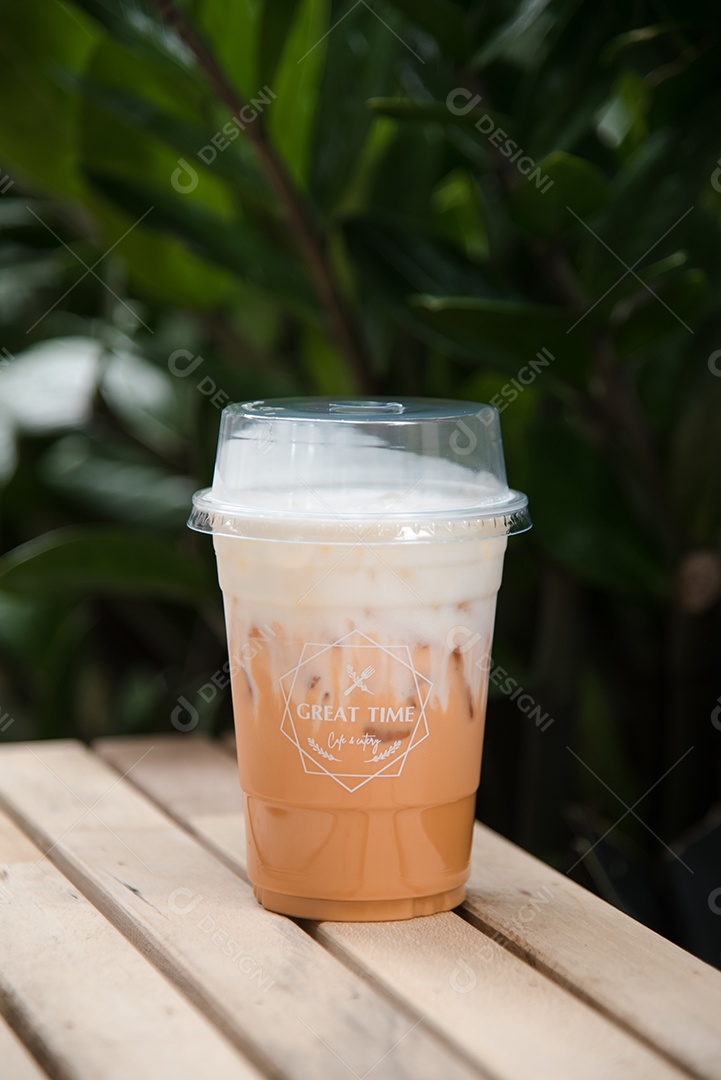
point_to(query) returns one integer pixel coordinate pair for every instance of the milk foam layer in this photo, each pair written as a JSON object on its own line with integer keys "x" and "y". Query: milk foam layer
{"x": 442, "y": 595}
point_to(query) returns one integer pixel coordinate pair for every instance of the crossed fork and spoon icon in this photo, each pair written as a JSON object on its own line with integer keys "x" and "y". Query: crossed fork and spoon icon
{"x": 359, "y": 681}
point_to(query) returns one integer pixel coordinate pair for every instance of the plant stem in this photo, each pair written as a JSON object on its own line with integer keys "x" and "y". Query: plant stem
{"x": 619, "y": 402}
{"x": 309, "y": 242}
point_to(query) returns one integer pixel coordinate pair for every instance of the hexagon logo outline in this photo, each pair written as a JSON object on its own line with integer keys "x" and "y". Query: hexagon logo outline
{"x": 398, "y": 763}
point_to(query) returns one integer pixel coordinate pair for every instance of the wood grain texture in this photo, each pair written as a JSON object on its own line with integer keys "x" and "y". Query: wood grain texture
{"x": 504, "y": 1014}
{"x": 16, "y": 1062}
{"x": 274, "y": 991}
{"x": 647, "y": 983}
{"x": 81, "y": 996}
{"x": 668, "y": 997}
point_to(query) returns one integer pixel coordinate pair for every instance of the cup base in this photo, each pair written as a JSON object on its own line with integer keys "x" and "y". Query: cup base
{"x": 409, "y": 907}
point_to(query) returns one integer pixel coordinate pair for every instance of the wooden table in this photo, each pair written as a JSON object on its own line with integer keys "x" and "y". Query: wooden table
{"x": 131, "y": 946}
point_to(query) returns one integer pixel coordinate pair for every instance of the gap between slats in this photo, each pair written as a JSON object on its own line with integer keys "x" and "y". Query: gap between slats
{"x": 350, "y": 1011}
{"x": 548, "y": 883}
{"x": 77, "y": 993}
{"x": 23, "y": 1054}
{"x": 189, "y": 814}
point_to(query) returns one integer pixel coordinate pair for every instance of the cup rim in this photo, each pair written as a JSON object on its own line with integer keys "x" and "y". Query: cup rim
{"x": 501, "y": 517}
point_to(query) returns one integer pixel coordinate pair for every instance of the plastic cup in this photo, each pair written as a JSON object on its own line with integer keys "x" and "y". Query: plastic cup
{"x": 360, "y": 548}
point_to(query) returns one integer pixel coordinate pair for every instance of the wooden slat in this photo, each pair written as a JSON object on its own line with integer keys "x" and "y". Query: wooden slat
{"x": 646, "y": 983}
{"x": 270, "y": 987}
{"x": 81, "y": 996}
{"x": 16, "y": 1061}
{"x": 631, "y": 973}
{"x": 515, "y": 1021}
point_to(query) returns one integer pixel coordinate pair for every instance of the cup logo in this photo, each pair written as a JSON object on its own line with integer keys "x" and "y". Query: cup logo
{"x": 343, "y": 725}
{"x": 359, "y": 681}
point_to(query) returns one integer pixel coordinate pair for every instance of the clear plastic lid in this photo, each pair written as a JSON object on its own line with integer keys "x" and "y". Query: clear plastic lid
{"x": 381, "y": 471}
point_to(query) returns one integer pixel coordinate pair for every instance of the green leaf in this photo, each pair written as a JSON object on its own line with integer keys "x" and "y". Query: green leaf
{"x": 36, "y": 39}
{"x": 652, "y": 315}
{"x": 407, "y": 172}
{"x": 561, "y": 87}
{"x": 443, "y": 20}
{"x": 582, "y": 518}
{"x": 291, "y": 117}
{"x": 186, "y": 136}
{"x": 487, "y": 383}
{"x": 655, "y": 193}
{"x": 399, "y": 108}
{"x": 158, "y": 265}
{"x": 326, "y": 367}
{"x": 460, "y": 213}
{"x": 466, "y": 123}
{"x": 518, "y": 37}
{"x": 511, "y": 333}
{"x": 232, "y": 31}
{"x": 398, "y": 261}
{"x": 131, "y": 24}
{"x": 399, "y": 265}
{"x": 275, "y": 23}
{"x": 626, "y": 287}
{"x": 105, "y": 560}
{"x": 116, "y": 484}
{"x": 566, "y": 188}
{"x": 622, "y": 124}
{"x": 237, "y": 248}
{"x": 29, "y": 627}
{"x": 436, "y": 112}
{"x": 359, "y": 56}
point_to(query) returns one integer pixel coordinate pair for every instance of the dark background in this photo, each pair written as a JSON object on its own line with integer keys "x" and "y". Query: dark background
{"x": 360, "y": 236}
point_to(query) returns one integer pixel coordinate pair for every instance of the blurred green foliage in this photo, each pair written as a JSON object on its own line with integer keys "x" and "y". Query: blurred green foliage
{"x": 148, "y": 275}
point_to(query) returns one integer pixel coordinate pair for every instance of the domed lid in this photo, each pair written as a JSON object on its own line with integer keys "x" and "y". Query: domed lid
{"x": 382, "y": 471}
